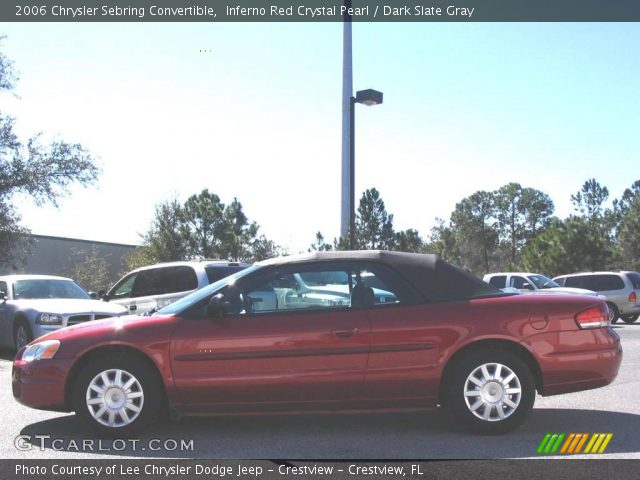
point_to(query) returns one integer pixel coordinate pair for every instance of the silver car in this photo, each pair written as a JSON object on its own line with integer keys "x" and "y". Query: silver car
{"x": 34, "y": 305}
{"x": 621, "y": 289}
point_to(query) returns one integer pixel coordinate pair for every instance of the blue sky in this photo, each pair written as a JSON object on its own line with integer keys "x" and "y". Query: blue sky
{"x": 466, "y": 107}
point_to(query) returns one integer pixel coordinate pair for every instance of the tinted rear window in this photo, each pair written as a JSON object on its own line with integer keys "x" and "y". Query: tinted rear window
{"x": 215, "y": 273}
{"x": 499, "y": 281}
{"x": 598, "y": 283}
{"x": 635, "y": 279}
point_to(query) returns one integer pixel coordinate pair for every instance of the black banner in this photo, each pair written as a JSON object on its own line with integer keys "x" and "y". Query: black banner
{"x": 320, "y": 11}
{"x": 281, "y": 470}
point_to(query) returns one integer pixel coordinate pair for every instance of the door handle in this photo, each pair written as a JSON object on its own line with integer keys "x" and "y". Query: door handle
{"x": 133, "y": 308}
{"x": 345, "y": 333}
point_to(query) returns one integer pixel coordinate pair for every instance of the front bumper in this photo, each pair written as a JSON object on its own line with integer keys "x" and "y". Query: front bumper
{"x": 40, "y": 384}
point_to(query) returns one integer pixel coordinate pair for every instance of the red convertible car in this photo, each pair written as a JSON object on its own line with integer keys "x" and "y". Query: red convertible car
{"x": 327, "y": 332}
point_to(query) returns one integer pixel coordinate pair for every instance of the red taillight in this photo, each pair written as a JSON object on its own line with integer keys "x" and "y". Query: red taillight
{"x": 593, "y": 317}
{"x": 633, "y": 298}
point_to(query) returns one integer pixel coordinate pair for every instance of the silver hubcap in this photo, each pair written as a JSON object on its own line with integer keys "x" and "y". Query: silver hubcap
{"x": 21, "y": 337}
{"x": 115, "y": 398}
{"x": 492, "y": 392}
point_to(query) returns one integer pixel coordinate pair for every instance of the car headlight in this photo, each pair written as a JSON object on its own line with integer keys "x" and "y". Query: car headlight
{"x": 49, "y": 319}
{"x": 41, "y": 350}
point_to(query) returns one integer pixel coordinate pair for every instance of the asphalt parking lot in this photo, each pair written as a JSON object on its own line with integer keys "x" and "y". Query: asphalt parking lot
{"x": 422, "y": 436}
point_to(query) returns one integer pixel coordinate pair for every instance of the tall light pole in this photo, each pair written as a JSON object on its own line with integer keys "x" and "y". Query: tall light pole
{"x": 369, "y": 98}
{"x": 347, "y": 109}
{"x": 366, "y": 97}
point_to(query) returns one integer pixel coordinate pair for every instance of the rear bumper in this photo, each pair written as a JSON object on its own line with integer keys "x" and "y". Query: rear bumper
{"x": 40, "y": 384}
{"x": 576, "y": 360}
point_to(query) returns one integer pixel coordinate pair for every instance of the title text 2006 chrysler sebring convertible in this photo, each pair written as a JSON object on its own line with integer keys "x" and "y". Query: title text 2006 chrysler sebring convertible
{"x": 327, "y": 332}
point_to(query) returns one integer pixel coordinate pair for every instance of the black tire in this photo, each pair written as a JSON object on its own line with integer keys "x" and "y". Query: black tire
{"x": 470, "y": 364}
{"x": 614, "y": 314}
{"x": 149, "y": 404}
{"x": 21, "y": 334}
{"x": 629, "y": 318}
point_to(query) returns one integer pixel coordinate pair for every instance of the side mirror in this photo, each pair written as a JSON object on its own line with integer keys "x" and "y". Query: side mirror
{"x": 93, "y": 296}
{"x": 216, "y": 307}
{"x": 103, "y": 295}
{"x": 3, "y": 296}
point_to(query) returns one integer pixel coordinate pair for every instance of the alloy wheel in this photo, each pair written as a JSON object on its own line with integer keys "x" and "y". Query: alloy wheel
{"x": 492, "y": 392}
{"x": 114, "y": 398}
{"x": 22, "y": 336}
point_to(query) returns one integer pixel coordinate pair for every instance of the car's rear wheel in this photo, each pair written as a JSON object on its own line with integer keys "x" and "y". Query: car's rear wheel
{"x": 613, "y": 313}
{"x": 629, "y": 318}
{"x": 491, "y": 392}
{"x": 21, "y": 334}
{"x": 118, "y": 395}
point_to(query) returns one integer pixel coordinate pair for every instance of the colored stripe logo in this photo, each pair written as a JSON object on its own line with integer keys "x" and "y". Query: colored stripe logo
{"x": 574, "y": 443}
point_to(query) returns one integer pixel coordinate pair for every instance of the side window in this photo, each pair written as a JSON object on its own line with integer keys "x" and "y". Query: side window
{"x": 165, "y": 280}
{"x": 289, "y": 291}
{"x": 181, "y": 279}
{"x": 634, "y": 277}
{"x": 577, "y": 282}
{"x": 499, "y": 281}
{"x": 342, "y": 286}
{"x": 519, "y": 282}
{"x": 608, "y": 282}
{"x": 124, "y": 287}
{"x": 218, "y": 273}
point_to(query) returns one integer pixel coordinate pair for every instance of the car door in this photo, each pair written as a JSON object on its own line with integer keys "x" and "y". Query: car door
{"x": 277, "y": 343}
{"x": 407, "y": 338}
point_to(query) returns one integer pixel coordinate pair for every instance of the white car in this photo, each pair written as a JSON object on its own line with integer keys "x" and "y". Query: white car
{"x": 34, "y": 305}
{"x": 149, "y": 288}
{"x": 530, "y": 282}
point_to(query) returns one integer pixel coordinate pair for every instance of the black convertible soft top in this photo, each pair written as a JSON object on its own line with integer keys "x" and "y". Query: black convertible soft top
{"x": 432, "y": 277}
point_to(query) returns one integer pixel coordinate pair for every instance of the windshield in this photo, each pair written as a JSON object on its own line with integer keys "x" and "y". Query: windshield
{"x": 193, "y": 298}
{"x": 47, "y": 288}
{"x": 541, "y": 282}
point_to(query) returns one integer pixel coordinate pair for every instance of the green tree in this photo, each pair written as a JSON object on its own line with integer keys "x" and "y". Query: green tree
{"x": 43, "y": 172}
{"x": 319, "y": 245}
{"x": 442, "y": 242}
{"x": 202, "y": 227}
{"x": 566, "y": 246}
{"x": 237, "y": 233}
{"x": 203, "y": 215}
{"x": 476, "y": 237}
{"x": 374, "y": 226}
{"x": 408, "y": 241}
{"x": 90, "y": 269}
{"x": 521, "y": 213}
{"x": 629, "y": 236}
{"x": 168, "y": 237}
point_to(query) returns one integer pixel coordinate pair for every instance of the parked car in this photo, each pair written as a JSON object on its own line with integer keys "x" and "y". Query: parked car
{"x": 156, "y": 286}
{"x": 447, "y": 338}
{"x": 621, "y": 289}
{"x": 530, "y": 282}
{"x": 34, "y": 305}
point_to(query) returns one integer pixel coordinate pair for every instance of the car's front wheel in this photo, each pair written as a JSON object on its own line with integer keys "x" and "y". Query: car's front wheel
{"x": 118, "y": 395}
{"x": 21, "y": 334}
{"x": 491, "y": 392}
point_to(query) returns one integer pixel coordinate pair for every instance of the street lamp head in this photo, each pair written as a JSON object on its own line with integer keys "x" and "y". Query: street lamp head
{"x": 369, "y": 97}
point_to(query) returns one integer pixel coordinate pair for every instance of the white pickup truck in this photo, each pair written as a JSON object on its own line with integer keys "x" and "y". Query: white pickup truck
{"x": 530, "y": 282}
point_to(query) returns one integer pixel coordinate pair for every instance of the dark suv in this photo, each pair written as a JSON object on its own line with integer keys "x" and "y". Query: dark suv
{"x": 621, "y": 289}
{"x": 157, "y": 286}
